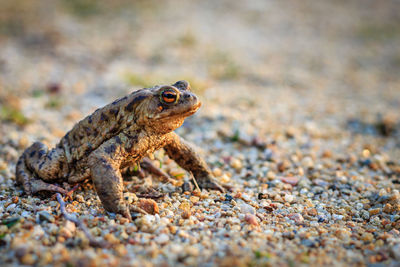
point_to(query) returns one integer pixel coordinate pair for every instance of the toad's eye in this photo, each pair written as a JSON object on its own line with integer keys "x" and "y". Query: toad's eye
{"x": 169, "y": 96}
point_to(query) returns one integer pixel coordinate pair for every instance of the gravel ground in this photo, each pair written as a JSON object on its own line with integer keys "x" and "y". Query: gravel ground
{"x": 301, "y": 116}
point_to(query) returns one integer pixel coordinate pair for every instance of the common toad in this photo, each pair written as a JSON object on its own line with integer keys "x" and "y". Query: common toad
{"x": 113, "y": 137}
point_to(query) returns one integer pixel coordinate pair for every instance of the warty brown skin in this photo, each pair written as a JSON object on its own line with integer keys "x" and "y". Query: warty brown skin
{"x": 114, "y": 137}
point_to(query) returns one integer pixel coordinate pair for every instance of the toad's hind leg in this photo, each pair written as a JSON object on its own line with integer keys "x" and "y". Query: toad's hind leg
{"x": 47, "y": 164}
{"x": 31, "y": 184}
{"x": 23, "y": 175}
{"x": 35, "y": 162}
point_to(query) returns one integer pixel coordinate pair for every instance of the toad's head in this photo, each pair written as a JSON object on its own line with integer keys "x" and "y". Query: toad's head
{"x": 165, "y": 107}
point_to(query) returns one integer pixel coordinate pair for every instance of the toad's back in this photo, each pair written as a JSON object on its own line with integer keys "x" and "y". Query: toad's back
{"x": 103, "y": 124}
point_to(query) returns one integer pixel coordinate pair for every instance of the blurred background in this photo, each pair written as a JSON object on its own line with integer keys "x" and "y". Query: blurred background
{"x": 331, "y": 62}
{"x": 303, "y": 92}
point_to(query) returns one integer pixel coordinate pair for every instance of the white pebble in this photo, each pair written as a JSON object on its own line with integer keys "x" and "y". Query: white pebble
{"x": 246, "y": 208}
{"x": 289, "y": 198}
{"x": 162, "y": 239}
{"x": 337, "y": 217}
{"x": 252, "y": 183}
{"x": 11, "y": 207}
{"x": 359, "y": 206}
{"x": 307, "y": 162}
{"x": 37, "y": 232}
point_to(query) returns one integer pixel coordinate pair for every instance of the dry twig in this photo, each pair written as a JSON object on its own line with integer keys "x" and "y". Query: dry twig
{"x": 195, "y": 182}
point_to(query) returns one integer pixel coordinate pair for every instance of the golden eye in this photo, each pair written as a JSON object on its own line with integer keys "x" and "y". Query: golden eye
{"x": 169, "y": 96}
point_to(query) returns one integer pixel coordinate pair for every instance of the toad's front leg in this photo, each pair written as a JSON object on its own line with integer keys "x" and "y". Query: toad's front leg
{"x": 104, "y": 165}
{"x": 185, "y": 155}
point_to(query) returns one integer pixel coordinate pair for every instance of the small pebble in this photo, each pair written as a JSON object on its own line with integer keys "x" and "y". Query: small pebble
{"x": 374, "y": 211}
{"x": 367, "y": 237}
{"x": 246, "y": 208}
{"x": 282, "y": 166}
{"x": 251, "y": 219}
{"x": 359, "y": 206}
{"x": 15, "y": 199}
{"x": 224, "y": 178}
{"x": 44, "y": 216}
{"x": 388, "y": 208}
{"x": 312, "y": 212}
{"x": 307, "y": 162}
{"x": 271, "y": 175}
{"x": 121, "y": 250}
{"x": 11, "y": 207}
{"x": 290, "y": 180}
{"x": 80, "y": 198}
{"x": 162, "y": 239}
{"x": 365, "y": 214}
{"x": 236, "y": 164}
{"x": 217, "y": 172}
{"x": 186, "y": 214}
{"x": 337, "y": 217}
{"x": 343, "y": 234}
{"x": 289, "y": 198}
{"x": 296, "y": 217}
{"x": 149, "y": 205}
{"x": 28, "y": 259}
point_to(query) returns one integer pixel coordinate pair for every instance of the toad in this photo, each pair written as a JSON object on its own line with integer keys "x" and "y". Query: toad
{"x": 114, "y": 137}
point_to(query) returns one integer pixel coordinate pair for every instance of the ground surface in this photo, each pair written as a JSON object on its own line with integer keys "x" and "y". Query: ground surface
{"x": 300, "y": 115}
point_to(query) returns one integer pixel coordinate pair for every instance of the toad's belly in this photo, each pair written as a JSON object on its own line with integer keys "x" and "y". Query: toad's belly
{"x": 133, "y": 154}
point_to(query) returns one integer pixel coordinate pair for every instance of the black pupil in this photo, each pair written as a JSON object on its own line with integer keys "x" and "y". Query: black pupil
{"x": 169, "y": 95}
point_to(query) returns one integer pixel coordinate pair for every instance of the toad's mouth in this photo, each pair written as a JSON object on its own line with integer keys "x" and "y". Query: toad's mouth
{"x": 194, "y": 109}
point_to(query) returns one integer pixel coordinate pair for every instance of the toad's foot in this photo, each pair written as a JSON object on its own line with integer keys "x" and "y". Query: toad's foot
{"x": 208, "y": 183}
{"x": 69, "y": 193}
{"x": 133, "y": 208}
{"x": 37, "y": 185}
